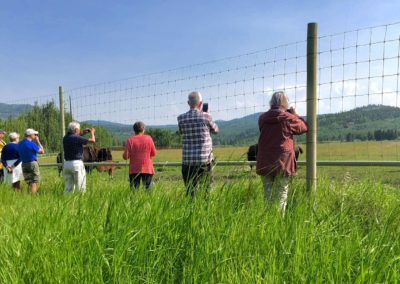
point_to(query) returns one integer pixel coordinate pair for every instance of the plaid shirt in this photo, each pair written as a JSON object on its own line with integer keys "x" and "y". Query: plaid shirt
{"x": 196, "y": 128}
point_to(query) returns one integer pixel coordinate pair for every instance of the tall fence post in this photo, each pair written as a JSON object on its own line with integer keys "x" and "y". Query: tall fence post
{"x": 312, "y": 50}
{"x": 62, "y": 119}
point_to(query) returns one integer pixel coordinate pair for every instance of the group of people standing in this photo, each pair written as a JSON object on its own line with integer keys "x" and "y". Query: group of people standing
{"x": 19, "y": 159}
{"x": 275, "y": 158}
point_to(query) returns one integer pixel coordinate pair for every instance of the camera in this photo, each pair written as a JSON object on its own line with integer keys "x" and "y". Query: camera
{"x": 290, "y": 110}
{"x": 205, "y": 107}
{"x": 86, "y": 130}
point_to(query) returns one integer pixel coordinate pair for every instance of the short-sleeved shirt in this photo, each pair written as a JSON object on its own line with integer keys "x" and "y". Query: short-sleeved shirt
{"x": 10, "y": 152}
{"x": 139, "y": 149}
{"x": 27, "y": 151}
{"x": 73, "y": 147}
{"x": 196, "y": 128}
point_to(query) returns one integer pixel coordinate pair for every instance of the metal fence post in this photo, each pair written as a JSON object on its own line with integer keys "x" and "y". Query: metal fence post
{"x": 312, "y": 50}
{"x": 62, "y": 120}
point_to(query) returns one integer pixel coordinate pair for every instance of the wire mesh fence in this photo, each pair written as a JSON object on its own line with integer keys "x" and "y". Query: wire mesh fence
{"x": 358, "y": 94}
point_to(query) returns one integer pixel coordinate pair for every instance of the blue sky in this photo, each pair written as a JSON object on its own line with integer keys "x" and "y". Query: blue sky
{"x": 72, "y": 43}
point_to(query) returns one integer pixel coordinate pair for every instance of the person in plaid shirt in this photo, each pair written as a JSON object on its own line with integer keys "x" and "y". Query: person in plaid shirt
{"x": 196, "y": 127}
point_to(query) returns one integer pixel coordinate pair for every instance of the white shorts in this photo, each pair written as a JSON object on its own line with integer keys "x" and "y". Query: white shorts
{"x": 15, "y": 175}
{"x": 74, "y": 176}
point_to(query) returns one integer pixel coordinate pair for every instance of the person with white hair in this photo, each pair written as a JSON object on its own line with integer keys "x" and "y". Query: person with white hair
{"x": 12, "y": 163}
{"x": 74, "y": 169}
{"x": 196, "y": 127}
{"x": 28, "y": 149}
{"x": 276, "y": 162}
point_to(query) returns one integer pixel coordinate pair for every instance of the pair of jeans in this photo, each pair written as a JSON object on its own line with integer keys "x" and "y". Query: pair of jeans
{"x": 195, "y": 176}
{"x": 135, "y": 178}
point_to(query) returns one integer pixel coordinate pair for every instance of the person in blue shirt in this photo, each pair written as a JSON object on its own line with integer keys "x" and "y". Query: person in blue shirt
{"x": 28, "y": 149}
{"x": 74, "y": 169}
{"x": 12, "y": 163}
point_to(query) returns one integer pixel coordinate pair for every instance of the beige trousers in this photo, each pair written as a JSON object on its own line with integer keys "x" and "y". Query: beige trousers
{"x": 276, "y": 188}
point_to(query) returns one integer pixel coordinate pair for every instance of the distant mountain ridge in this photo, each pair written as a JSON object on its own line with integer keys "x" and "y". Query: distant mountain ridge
{"x": 12, "y": 110}
{"x": 358, "y": 124}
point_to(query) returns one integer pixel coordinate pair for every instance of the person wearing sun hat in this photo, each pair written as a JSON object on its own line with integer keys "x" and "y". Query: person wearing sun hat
{"x": 2, "y": 144}
{"x": 28, "y": 149}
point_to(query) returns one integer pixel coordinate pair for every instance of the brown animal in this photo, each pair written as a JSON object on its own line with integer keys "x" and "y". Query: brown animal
{"x": 93, "y": 154}
{"x": 253, "y": 149}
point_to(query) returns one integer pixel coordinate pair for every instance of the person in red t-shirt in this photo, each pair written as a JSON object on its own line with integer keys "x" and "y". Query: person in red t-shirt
{"x": 139, "y": 149}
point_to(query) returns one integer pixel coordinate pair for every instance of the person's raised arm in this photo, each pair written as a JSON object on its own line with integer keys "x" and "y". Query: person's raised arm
{"x": 213, "y": 126}
{"x": 297, "y": 125}
{"x": 41, "y": 149}
{"x": 92, "y": 138}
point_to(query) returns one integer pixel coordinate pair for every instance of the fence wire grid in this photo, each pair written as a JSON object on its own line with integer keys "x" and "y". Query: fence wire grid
{"x": 357, "y": 69}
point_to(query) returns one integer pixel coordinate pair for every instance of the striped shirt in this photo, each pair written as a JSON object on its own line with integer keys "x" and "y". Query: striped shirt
{"x": 196, "y": 128}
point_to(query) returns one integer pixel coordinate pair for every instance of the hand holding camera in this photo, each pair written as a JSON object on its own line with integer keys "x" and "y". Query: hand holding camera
{"x": 88, "y": 130}
{"x": 292, "y": 110}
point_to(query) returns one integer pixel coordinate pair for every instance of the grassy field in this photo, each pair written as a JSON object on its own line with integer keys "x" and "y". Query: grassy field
{"x": 348, "y": 231}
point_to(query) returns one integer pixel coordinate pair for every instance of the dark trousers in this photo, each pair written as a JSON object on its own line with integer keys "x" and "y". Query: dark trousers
{"x": 196, "y": 176}
{"x": 134, "y": 180}
{"x": 1, "y": 175}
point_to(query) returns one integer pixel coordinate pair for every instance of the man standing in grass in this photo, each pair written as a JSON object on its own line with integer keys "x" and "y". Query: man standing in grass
{"x": 74, "y": 169}
{"x": 196, "y": 127}
{"x": 2, "y": 144}
{"x": 28, "y": 148}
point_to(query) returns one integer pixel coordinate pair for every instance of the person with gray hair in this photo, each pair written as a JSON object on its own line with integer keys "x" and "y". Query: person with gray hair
{"x": 196, "y": 127}
{"x": 12, "y": 163}
{"x": 276, "y": 162}
{"x": 74, "y": 169}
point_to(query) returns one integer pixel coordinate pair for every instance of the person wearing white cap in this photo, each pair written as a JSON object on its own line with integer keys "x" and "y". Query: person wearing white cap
{"x": 2, "y": 144}
{"x": 28, "y": 148}
{"x": 12, "y": 163}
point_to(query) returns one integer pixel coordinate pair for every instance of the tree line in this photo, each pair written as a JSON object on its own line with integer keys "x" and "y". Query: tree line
{"x": 46, "y": 119}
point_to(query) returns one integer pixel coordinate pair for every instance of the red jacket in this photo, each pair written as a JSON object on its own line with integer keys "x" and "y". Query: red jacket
{"x": 275, "y": 145}
{"x": 139, "y": 149}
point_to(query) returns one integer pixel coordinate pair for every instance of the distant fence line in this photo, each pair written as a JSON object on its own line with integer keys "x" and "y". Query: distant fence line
{"x": 250, "y": 163}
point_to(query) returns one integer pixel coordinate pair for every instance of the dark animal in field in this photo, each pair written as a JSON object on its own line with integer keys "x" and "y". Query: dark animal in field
{"x": 253, "y": 149}
{"x": 93, "y": 154}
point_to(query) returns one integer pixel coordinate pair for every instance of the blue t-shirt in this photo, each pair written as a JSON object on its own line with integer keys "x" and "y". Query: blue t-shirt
{"x": 10, "y": 152}
{"x": 27, "y": 151}
{"x": 73, "y": 147}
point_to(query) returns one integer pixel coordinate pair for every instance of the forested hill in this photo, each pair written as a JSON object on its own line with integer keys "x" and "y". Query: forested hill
{"x": 374, "y": 122}
{"x": 13, "y": 110}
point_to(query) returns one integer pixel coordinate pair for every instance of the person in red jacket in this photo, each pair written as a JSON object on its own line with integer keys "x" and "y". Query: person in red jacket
{"x": 276, "y": 161}
{"x": 139, "y": 149}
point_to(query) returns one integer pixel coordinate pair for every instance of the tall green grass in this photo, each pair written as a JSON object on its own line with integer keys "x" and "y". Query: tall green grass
{"x": 345, "y": 232}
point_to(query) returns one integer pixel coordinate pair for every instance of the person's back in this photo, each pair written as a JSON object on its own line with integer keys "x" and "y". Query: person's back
{"x": 141, "y": 149}
{"x": 196, "y": 128}
{"x": 275, "y": 157}
{"x": 275, "y": 145}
